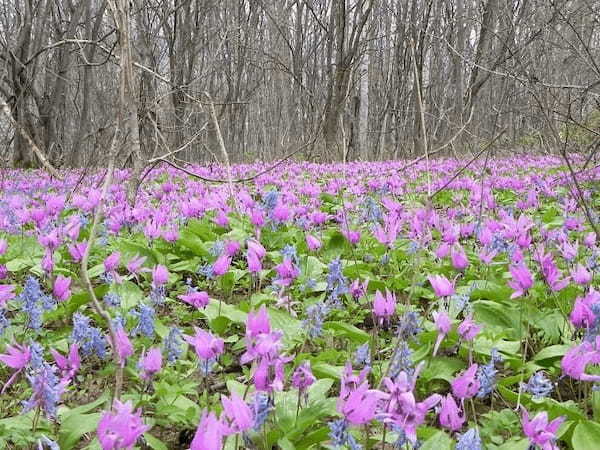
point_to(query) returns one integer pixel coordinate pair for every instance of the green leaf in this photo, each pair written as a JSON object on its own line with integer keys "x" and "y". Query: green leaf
{"x": 129, "y": 249}
{"x": 586, "y": 436}
{"x": 552, "y": 352}
{"x": 74, "y": 426}
{"x": 324, "y": 370}
{"x": 439, "y": 441}
{"x": 154, "y": 443}
{"x": 131, "y": 295}
{"x": 231, "y": 312}
{"x": 347, "y": 330}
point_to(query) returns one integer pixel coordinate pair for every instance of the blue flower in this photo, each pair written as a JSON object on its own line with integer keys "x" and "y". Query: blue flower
{"x": 4, "y": 322}
{"x": 538, "y": 385}
{"x": 173, "y": 345}
{"x": 90, "y": 339}
{"x": 261, "y": 406}
{"x": 486, "y": 375}
{"x": 401, "y": 361}
{"x": 338, "y": 432}
{"x": 315, "y": 316}
{"x": 469, "y": 440}
{"x": 337, "y": 283}
{"x": 34, "y": 302}
{"x": 112, "y": 300}
{"x": 408, "y": 326}
{"x": 145, "y": 325}
{"x": 362, "y": 356}
{"x": 47, "y": 391}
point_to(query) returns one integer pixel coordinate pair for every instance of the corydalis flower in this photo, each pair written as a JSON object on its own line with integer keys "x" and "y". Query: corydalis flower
{"x": 47, "y": 390}
{"x": 121, "y": 428}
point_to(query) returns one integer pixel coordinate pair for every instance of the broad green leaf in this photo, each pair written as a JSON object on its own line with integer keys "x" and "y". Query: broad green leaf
{"x": 586, "y": 436}
{"x": 343, "y": 329}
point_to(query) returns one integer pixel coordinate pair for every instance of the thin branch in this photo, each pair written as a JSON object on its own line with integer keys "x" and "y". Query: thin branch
{"x": 36, "y": 150}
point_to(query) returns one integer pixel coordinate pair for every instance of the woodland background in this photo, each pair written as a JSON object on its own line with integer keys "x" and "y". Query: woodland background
{"x": 327, "y": 80}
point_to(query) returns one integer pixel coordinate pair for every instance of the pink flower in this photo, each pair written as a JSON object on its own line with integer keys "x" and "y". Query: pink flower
{"x": 522, "y": 280}
{"x": 221, "y": 265}
{"x": 160, "y": 276}
{"x": 581, "y": 275}
{"x": 232, "y": 247}
{"x": 206, "y": 345}
{"x": 312, "y": 242}
{"x": 576, "y": 360}
{"x": 384, "y": 306}
{"x": 237, "y": 417}
{"x": 441, "y": 285}
{"x": 303, "y": 377}
{"x": 6, "y": 293}
{"x": 3, "y": 246}
{"x": 451, "y": 416}
{"x": 269, "y": 374}
{"x": 358, "y": 289}
{"x": 582, "y": 315}
{"x": 198, "y": 299}
{"x": 209, "y": 435}
{"x": 123, "y": 344}
{"x": 77, "y": 251}
{"x": 287, "y": 272}
{"x": 17, "y": 357}
{"x": 150, "y": 363}
{"x": 442, "y": 251}
{"x": 360, "y": 405}
{"x": 258, "y": 322}
{"x": 353, "y": 236}
{"x": 68, "y": 365}
{"x": 459, "y": 258}
{"x": 48, "y": 262}
{"x": 254, "y": 263}
{"x": 112, "y": 262}
{"x": 468, "y": 329}
{"x": 257, "y": 218}
{"x": 135, "y": 265}
{"x": 466, "y": 385}
{"x": 256, "y": 247}
{"x": 61, "y": 289}
{"x": 539, "y": 431}
{"x": 443, "y": 325}
{"x": 121, "y": 428}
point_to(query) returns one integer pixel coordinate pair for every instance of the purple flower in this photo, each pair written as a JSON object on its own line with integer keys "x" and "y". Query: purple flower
{"x": 160, "y": 276}
{"x": 581, "y": 275}
{"x": 467, "y": 385}
{"x": 61, "y": 288}
{"x": 522, "y": 280}
{"x": 360, "y": 405}
{"x": 312, "y": 242}
{"x": 451, "y": 416}
{"x": 468, "y": 329}
{"x": 17, "y": 357}
{"x": 237, "y": 416}
{"x": 68, "y": 365}
{"x": 3, "y": 246}
{"x": 135, "y": 265}
{"x": 150, "y": 363}
{"x": 358, "y": 289}
{"x": 221, "y": 265}
{"x": 112, "y": 262}
{"x": 121, "y": 428}
{"x": 6, "y": 293}
{"x": 196, "y": 299}
{"x": 384, "y": 306}
{"x": 441, "y": 285}
{"x": 207, "y": 346}
{"x": 443, "y": 324}
{"x": 576, "y": 360}
{"x": 539, "y": 431}
{"x": 47, "y": 390}
{"x": 77, "y": 251}
{"x": 303, "y": 377}
{"x": 124, "y": 347}
{"x": 209, "y": 434}
{"x": 459, "y": 258}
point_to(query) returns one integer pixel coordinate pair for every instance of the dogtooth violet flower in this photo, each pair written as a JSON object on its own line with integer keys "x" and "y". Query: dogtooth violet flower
{"x": 120, "y": 428}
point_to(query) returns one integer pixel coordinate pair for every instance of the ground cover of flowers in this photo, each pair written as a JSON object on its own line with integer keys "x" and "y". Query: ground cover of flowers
{"x": 316, "y": 306}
